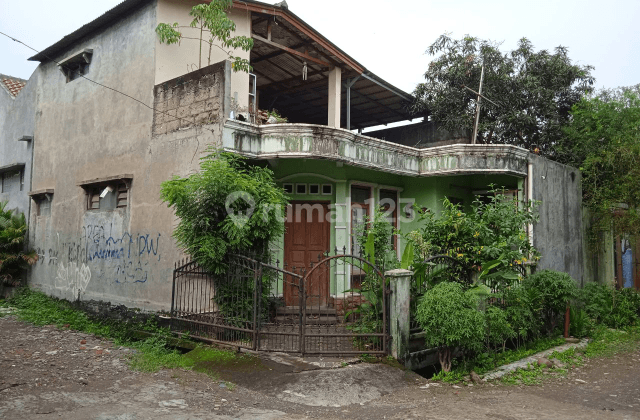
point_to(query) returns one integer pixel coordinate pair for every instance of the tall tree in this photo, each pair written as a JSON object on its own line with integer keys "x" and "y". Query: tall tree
{"x": 603, "y": 140}
{"x": 533, "y": 91}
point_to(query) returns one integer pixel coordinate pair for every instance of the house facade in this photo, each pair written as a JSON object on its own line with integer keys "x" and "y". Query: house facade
{"x": 100, "y": 154}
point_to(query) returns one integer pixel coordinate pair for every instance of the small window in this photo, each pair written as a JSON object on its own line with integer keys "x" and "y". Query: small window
{"x": 43, "y": 206}
{"x": 77, "y": 65}
{"x": 301, "y": 188}
{"x": 288, "y": 188}
{"x": 314, "y": 189}
{"x": 12, "y": 181}
{"x": 327, "y": 189}
{"x": 108, "y": 197}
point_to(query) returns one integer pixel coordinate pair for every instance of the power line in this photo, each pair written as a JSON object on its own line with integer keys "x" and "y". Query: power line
{"x": 100, "y": 84}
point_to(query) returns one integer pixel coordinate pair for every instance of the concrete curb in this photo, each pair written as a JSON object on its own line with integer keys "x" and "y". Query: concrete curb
{"x": 523, "y": 363}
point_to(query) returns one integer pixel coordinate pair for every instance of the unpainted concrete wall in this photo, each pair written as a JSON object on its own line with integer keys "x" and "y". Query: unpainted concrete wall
{"x": 559, "y": 233}
{"x": 17, "y": 119}
{"x": 175, "y": 60}
{"x": 123, "y": 256}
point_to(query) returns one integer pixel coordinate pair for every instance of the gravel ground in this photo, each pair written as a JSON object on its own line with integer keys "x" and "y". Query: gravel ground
{"x": 49, "y": 373}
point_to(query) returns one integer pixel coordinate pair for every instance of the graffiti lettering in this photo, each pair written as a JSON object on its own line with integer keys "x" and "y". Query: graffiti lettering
{"x": 73, "y": 278}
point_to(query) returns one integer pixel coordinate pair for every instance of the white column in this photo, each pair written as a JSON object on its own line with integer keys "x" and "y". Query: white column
{"x": 335, "y": 89}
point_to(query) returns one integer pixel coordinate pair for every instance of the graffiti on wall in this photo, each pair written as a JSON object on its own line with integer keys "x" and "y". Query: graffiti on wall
{"x": 73, "y": 278}
{"x": 100, "y": 253}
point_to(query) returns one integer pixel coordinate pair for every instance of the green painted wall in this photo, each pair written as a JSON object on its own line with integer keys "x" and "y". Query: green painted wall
{"x": 426, "y": 192}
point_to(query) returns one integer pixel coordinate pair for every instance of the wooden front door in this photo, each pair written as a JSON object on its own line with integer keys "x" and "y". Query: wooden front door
{"x": 306, "y": 236}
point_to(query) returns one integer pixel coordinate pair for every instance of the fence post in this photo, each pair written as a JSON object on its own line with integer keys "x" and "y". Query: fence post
{"x": 399, "y": 311}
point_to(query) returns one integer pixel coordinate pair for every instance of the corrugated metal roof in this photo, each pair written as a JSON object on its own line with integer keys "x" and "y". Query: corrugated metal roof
{"x": 13, "y": 85}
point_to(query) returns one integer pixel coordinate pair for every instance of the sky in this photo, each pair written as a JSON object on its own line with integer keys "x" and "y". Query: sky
{"x": 390, "y": 38}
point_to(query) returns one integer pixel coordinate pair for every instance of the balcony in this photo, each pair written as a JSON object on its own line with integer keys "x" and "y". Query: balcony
{"x": 308, "y": 141}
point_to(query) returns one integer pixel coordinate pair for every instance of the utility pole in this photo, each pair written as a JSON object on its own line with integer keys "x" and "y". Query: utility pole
{"x": 475, "y": 126}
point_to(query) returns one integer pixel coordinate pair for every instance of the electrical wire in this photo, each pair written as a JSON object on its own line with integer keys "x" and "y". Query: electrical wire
{"x": 100, "y": 84}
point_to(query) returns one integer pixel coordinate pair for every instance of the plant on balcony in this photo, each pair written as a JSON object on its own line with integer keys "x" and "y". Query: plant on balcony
{"x": 215, "y": 30}
{"x": 14, "y": 258}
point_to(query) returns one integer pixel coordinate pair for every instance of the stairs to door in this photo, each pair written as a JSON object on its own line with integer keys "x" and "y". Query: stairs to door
{"x": 314, "y": 316}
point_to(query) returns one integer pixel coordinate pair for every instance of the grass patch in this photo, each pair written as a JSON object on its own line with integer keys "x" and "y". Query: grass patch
{"x": 605, "y": 343}
{"x": 151, "y": 354}
{"x": 486, "y": 362}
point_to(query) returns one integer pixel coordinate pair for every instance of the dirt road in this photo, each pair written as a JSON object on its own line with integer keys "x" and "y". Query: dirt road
{"x": 48, "y": 373}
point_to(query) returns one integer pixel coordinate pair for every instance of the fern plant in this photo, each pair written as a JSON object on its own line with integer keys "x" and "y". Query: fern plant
{"x": 14, "y": 257}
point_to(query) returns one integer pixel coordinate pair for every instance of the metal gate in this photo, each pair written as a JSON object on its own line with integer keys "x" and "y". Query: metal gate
{"x": 246, "y": 308}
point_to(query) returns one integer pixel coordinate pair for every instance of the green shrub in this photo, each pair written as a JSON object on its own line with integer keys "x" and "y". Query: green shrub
{"x": 449, "y": 318}
{"x": 523, "y": 312}
{"x": 611, "y": 307}
{"x": 499, "y": 329}
{"x": 229, "y": 206}
{"x": 14, "y": 258}
{"x": 553, "y": 289}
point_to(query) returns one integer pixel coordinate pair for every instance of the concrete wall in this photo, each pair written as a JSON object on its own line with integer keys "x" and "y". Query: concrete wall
{"x": 175, "y": 60}
{"x": 17, "y": 119}
{"x": 559, "y": 233}
{"x": 124, "y": 256}
{"x": 421, "y": 135}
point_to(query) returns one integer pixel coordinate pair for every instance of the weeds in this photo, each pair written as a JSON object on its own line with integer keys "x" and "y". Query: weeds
{"x": 151, "y": 354}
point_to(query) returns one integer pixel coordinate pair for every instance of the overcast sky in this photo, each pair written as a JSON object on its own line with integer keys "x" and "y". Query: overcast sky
{"x": 390, "y": 38}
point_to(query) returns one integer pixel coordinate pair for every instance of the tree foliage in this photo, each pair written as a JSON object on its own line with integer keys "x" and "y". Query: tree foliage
{"x": 215, "y": 27}
{"x": 14, "y": 258}
{"x": 533, "y": 91}
{"x": 490, "y": 237}
{"x": 603, "y": 140}
{"x": 229, "y": 206}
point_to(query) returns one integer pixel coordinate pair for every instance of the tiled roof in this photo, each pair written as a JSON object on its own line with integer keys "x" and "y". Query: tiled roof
{"x": 13, "y": 85}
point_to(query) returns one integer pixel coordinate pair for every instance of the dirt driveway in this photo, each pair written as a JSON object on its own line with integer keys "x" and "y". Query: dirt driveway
{"x": 47, "y": 373}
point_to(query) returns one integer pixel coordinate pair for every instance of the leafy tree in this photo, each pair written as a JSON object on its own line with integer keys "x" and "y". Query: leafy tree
{"x": 449, "y": 318}
{"x": 215, "y": 27}
{"x": 14, "y": 258}
{"x": 533, "y": 91}
{"x": 229, "y": 206}
{"x": 603, "y": 140}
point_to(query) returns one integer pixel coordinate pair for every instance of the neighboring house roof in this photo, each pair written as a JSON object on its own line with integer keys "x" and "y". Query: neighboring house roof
{"x": 12, "y": 85}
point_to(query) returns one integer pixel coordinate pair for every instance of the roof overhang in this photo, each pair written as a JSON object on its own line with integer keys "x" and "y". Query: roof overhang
{"x": 284, "y": 44}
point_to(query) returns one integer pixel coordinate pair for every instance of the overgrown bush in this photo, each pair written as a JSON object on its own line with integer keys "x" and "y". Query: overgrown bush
{"x": 609, "y": 306}
{"x": 551, "y": 290}
{"x": 449, "y": 318}
{"x": 14, "y": 257}
{"x": 229, "y": 206}
{"x": 492, "y": 234}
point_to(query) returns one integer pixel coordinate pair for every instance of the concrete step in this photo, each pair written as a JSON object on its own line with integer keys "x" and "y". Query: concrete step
{"x": 310, "y": 320}
{"x": 295, "y": 310}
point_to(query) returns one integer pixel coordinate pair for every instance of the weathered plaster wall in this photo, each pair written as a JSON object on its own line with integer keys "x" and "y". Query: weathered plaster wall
{"x": 17, "y": 119}
{"x": 175, "y": 60}
{"x": 322, "y": 142}
{"x": 124, "y": 256}
{"x": 421, "y": 135}
{"x": 559, "y": 234}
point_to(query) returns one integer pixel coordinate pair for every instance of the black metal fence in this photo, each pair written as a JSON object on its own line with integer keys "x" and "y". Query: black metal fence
{"x": 337, "y": 305}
